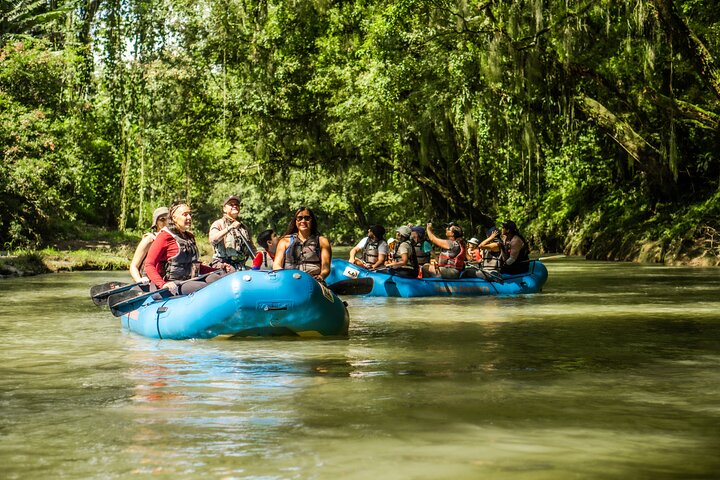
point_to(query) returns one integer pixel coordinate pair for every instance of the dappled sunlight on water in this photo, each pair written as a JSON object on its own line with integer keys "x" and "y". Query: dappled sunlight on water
{"x": 612, "y": 372}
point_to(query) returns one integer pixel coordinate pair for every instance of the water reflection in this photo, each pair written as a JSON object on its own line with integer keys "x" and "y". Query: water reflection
{"x": 613, "y": 371}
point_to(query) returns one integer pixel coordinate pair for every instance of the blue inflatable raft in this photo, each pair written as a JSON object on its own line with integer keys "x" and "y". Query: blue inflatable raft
{"x": 344, "y": 274}
{"x": 246, "y": 303}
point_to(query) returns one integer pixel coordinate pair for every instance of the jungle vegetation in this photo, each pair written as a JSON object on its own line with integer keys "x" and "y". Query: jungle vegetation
{"x": 594, "y": 124}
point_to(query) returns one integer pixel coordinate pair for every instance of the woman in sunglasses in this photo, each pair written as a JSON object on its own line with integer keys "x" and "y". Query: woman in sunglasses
{"x": 160, "y": 216}
{"x": 303, "y": 248}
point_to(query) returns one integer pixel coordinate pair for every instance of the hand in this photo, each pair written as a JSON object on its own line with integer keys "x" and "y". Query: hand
{"x": 428, "y": 227}
{"x": 227, "y": 267}
{"x": 144, "y": 280}
{"x": 172, "y": 287}
{"x": 319, "y": 278}
{"x": 235, "y": 225}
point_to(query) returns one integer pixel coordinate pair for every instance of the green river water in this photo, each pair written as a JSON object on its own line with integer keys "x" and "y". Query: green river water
{"x": 613, "y": 372}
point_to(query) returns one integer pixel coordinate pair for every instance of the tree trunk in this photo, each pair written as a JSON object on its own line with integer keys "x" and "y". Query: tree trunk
{"x": 689, "y": 44}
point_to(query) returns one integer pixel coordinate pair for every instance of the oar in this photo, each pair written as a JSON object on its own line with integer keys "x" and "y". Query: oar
{"x": 99, "y": 293}
{"x": 353, "y": 286}
{"x": 130, "y": 300}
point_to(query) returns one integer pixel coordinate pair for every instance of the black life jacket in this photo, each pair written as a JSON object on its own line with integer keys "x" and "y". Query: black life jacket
{"x": 179, "y": 267}
{"x": 305, "y": 256}
{"x": 522, "y": 262}
{"x": 422, "y": 256}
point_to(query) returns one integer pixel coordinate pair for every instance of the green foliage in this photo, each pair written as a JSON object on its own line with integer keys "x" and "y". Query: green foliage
{"x": 366, "y": 111}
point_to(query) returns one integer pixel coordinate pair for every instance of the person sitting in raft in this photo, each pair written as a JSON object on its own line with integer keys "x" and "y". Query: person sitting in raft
{"x": 230, "y": 238}
{"x": 392, "y": 242}
{"x": 267, "y": 246}
{"x": 423, "y": 248}
{"x": 404, "y": 262}
{"x": 474, "y": 254}
{"x": 159, "y": 220}
{"x": 451, "y": 260}
{"x": 303, "y": 248}
{"x": 515, "y": 251}
{"x": 491, "y": 251}
{"x": 374, "y": 249}
{"x": 173, "y": 257}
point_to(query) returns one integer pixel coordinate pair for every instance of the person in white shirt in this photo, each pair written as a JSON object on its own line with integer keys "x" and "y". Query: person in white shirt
{"x": 374, "y": 249}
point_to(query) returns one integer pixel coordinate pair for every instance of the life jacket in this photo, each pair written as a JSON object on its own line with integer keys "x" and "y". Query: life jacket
{"x": 371, "y": 251}
{"x": 422, "y": 256}
{"x": 492, "y": 260}
{"x": 303, "y": 256}
{"x": 231, "y": 248}
{"x": 179, "y": 267}
{"x": 413, "y": 256}
{"x": 452, "y": 258}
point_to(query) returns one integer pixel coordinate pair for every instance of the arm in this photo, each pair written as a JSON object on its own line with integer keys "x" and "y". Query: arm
{"x": 325, "y": 258}
{"x": 280, "y": 254}
{"x": 157, "y": 254}
{"x": 490, "y": 244}
{"x": 217, "y": 233}
{"x": 140, "y": 253}
{"x": 435, "y": 239}
{"x": 403, "y": 259}
{"x": 515, "y": 246}
{"x": 380, "y": 261}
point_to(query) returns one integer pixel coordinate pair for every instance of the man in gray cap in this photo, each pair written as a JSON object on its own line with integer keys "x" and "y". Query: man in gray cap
{"x": 230, "y": 238}
{"x": 404, "y": 263}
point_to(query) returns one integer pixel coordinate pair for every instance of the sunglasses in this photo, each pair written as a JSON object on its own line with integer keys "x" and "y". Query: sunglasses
{"x": 300, "y": 218}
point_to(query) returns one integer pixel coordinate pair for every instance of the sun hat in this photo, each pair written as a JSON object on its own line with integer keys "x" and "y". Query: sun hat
{"x": 391, "y": 240}
{"x": 160, "y": 211}
{"x": 404, "y": 231}
{"x": 474, "y": 241}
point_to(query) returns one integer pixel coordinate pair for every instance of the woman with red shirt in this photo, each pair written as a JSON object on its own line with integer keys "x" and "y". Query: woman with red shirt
{"x": 173, "y": 257}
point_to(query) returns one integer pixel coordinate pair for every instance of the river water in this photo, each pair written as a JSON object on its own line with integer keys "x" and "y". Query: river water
{"x": 612, "y": 372}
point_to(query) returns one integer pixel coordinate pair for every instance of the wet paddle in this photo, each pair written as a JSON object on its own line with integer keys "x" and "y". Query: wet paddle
{"x": 127, "y": 301}
{"x": 99, "y": 293}
{"x": 353, "y": 286}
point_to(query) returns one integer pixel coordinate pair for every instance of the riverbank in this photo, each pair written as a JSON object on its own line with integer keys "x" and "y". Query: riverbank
{"x": 110, "y": 250}
{"x": 97, "y": 249}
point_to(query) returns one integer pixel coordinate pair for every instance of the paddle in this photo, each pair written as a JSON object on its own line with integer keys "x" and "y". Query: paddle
{"x": 353, "y": 286}
{"x": 130, "y": 300}
{"x": 247, "y": 245}
{"x": 99, "y": 293}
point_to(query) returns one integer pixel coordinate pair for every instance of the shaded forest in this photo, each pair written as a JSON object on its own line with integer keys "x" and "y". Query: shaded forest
{"x": 595, "y": 125}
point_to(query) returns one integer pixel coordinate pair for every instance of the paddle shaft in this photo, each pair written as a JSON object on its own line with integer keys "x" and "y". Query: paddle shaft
{"x": 134, "y": 302}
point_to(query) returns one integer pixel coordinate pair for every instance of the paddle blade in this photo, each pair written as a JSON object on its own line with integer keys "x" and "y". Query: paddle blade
{"x": 99, "y": 293}
{"x": 353, "y": 286}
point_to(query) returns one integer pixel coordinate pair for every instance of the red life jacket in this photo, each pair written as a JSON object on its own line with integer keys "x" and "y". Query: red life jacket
{"x": 448, "y": 258}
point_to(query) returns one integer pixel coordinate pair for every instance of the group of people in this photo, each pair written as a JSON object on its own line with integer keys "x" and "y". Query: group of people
{"x": 410, "y": 253}
{"x": 168, "y": 256}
